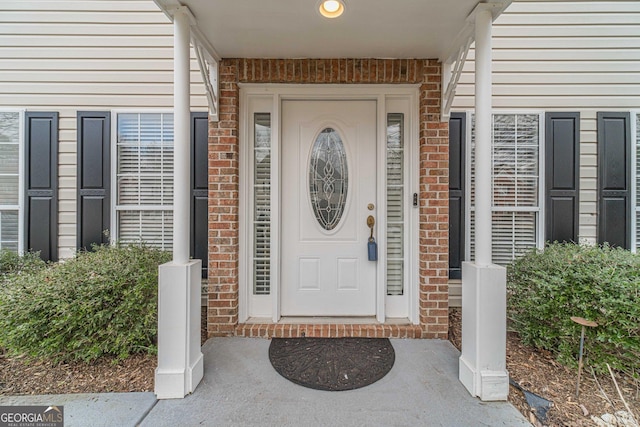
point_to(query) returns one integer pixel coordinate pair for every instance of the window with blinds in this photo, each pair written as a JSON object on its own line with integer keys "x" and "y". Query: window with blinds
{"x": 637, "y": 166}
{"x": 144, "y": 178}
{"x": 395, "y": 197}
{"x": 262, "y": 204}
{"x": 515, "y": 185}
{"x": 9, "y": 179}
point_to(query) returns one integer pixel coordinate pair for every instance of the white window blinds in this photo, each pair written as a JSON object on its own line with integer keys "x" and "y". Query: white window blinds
{"x": 262, "y": 204}
{"x": 515, "y": 185}
{"x": 395, "y": 211}
{"x": 9, "y": 179}
{"x": 144, "y": 178}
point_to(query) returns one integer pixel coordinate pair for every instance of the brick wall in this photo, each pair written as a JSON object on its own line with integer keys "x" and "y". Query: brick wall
{"x": 434, "y": 188}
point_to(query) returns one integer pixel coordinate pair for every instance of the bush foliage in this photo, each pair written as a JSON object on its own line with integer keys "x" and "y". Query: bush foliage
{"x": 12, "y": 263}
{"x": 99, "y": 303}
{"x": 546, "y": 288}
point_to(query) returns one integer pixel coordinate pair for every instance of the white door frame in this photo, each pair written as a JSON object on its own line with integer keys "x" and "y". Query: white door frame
{"x": 267, "y": 98}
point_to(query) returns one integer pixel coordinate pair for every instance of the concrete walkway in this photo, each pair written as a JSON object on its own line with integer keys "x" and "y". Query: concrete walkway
{"x": 240, "y": 388}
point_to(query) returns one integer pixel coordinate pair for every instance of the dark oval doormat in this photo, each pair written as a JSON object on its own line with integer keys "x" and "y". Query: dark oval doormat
{"x": 333, "y": 364}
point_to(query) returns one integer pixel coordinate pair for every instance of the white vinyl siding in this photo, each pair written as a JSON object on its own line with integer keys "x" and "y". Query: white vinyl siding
{"x": 516, "y": 184}
{"x": 262, "y": 204}
{"x": 563, "y": 54}
{"x": 395, "y": 204}
{"x": 69, "y": 56}
{"x": 144, "y": 179}
{"x": 11, "y": 123}
{"x": 581, "y": 56}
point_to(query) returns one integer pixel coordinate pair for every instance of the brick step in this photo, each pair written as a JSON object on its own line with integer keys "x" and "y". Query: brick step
{"x": 271, "y": 330}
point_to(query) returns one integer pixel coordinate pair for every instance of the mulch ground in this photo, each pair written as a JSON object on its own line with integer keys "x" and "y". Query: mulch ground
{"x": 21, "y": 376}
{"x": 535, "y": 371}
{"x": 539, "y": 373}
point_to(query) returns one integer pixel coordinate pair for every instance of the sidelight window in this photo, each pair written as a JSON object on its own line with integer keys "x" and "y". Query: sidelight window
{"x": 262, "y": 204}
{"x": 395, "y": 197}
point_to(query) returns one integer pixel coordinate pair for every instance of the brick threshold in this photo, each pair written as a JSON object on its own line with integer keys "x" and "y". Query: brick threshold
{"x": 330, "y": 330}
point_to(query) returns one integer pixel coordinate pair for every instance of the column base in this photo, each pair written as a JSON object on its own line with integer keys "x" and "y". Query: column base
{"x": 180, "y": 361}
{"x": 484, "y": 332}
{"x": 488, "y": 385}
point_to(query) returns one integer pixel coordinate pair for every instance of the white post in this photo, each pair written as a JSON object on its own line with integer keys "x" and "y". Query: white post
{"x": 180, "y": 361}
{"x": 483, "y": 137}
{"x": 181, "y": 111}
{"x": 483, "y": 360}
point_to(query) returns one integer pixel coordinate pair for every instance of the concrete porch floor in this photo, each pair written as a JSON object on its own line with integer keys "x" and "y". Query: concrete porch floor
{"x": 240, "y": 388}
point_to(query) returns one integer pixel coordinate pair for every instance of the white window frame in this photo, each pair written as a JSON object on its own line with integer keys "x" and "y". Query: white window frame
{"x": 635, "y": 205}
{"x": 540, "y": 211}
{"x": 21, "y": 196}
{"x": 115, "y": 207}
{"x": 267, "y": 98}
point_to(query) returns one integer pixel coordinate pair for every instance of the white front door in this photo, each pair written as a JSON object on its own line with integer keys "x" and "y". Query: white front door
{"x": 328, "y": 192}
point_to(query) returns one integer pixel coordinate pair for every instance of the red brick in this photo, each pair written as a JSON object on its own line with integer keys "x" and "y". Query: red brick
{"x": 224, "y": 176}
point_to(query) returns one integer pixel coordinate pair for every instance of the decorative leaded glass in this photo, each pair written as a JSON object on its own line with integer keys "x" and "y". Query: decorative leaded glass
{"x": 328, "y": 178}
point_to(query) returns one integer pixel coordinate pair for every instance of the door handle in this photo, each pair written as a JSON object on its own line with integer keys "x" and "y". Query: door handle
{"x": 372, "y": 246}
{"x": 371, "y": 221}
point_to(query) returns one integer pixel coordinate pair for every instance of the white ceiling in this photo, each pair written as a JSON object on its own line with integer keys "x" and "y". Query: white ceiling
{"x": 295, "y": 28}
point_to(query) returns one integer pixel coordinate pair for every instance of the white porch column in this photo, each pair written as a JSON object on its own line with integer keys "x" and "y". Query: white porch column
{"x": 483, "y": 360}
{"x": 483, "y": 137}
{"x": 181, "y": 111}
{"x": 180, "y": 362}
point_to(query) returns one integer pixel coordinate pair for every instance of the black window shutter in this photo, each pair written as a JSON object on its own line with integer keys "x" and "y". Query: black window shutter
{"x": 457, "y": 136}
{"x": 614, "y": 178}
{"x": 562, "y": 164}
{"x": 199, "y": 188}
{"x": 93, "y": 177}
{"x": 41, "y": 184}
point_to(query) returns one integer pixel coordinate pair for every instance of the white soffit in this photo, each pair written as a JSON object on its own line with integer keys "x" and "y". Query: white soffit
{"x": 367, "y": 29}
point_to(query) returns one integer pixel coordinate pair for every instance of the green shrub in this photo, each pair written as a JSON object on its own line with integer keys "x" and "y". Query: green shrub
{"x": 99, "y": 303}
{"x": 13, "y": 263}
{"x": 546, "y": 288}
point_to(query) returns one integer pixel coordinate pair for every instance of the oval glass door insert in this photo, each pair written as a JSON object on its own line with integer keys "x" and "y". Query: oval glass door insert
{"x": 328, "y": 178}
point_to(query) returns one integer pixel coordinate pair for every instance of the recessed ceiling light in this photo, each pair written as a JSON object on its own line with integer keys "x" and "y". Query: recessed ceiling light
{"x": 331, "y": 8}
